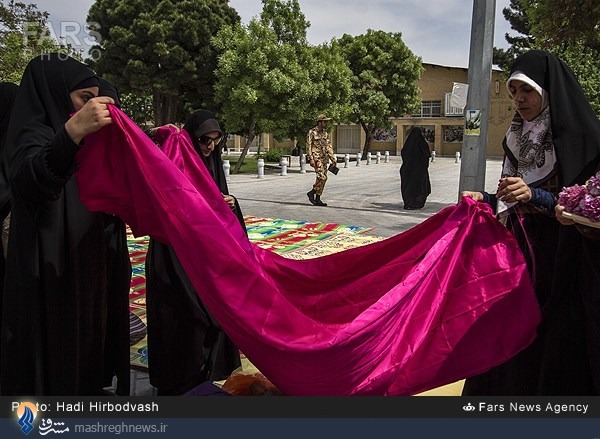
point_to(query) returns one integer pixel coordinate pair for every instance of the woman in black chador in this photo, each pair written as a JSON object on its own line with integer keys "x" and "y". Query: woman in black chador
{"x": 553, "y": 142}
{"x": 8, "y": 93}
{"x": 54, "y": 316}
{"x": 186, "y": 346}
{"x": 119, "y": 281}
{"x": 414, "y": 177}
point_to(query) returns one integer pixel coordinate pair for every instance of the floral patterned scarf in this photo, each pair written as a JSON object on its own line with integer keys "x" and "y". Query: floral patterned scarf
{"x": 529, "y": 149}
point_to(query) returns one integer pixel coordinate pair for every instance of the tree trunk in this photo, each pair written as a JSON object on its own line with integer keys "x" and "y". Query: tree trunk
{"x": 165, "y": 108}
{"x": 369, "y": 130}
{"x": 249, "y": 139}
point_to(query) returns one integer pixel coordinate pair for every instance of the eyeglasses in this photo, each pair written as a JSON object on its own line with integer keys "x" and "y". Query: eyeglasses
{"x": 207, "y": 140}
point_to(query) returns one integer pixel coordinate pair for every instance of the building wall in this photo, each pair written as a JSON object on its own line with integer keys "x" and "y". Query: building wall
{"x": 435, "y": 82}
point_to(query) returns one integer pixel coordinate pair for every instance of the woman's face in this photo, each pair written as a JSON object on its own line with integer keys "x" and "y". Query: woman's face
{"x": 526, "y": 99}
{"x": 81, "y": 96}
{"x": 208, "y": 142}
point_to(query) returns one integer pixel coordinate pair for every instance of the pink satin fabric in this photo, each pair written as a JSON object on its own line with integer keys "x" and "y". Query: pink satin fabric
{"x": 448, "y": 299}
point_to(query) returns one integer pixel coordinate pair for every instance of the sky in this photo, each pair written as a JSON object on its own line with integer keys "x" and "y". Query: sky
{"x": 438, "y": 31}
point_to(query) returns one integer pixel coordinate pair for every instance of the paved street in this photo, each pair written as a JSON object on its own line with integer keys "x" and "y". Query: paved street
{"x": 367, "y": 196}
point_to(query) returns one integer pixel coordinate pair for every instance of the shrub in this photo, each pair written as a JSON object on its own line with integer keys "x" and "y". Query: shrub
{"x": 273, "y": 155}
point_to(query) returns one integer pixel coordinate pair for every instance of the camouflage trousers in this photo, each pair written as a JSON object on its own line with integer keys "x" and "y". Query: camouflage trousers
{"x": 321, "y": 171}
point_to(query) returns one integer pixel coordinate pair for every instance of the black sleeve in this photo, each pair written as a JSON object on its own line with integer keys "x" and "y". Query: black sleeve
{"x": 490, "y": 199}
{"x": 543, "y": 200}
{"x": 43, "y": 174}
{"x": 60, "y": 155}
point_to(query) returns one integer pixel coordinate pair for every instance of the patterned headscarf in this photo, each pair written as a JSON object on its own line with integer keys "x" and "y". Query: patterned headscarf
{"x": 528, "y": 145}
{"x": 574, "y": 127}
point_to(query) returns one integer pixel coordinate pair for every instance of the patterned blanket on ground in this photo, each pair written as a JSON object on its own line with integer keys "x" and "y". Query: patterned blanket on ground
{"x": 289, "y": 238}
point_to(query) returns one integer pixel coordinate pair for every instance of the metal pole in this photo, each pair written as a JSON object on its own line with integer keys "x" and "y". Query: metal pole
{"x": 472, "y": 170}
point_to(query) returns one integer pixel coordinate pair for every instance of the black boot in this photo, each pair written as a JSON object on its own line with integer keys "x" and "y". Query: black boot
{"x": 318, "y": 201}
{"x": 311, "y": 197}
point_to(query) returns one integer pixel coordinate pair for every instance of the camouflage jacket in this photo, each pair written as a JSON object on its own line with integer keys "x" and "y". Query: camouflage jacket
{"x": 318, "y": 146}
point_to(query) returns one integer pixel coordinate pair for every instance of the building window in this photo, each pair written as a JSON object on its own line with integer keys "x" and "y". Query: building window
{"x": 430, "y": 109}
{"x": 428, "y": 132}
{"x": 450, "y": 110}
{"x": 453, "y": 134}
{"x": 385, "y": 135}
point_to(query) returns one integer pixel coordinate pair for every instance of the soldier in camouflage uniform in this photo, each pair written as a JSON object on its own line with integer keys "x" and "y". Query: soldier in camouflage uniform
{"x": 318, "y": 153}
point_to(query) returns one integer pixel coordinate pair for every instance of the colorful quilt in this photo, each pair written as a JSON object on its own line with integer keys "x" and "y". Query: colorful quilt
{"x": 137, "y": 293}
{"x": 290, "y": 238}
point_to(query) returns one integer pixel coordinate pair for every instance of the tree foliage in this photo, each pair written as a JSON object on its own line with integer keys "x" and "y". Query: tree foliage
{"x": 516, "y": 15}
{"x": 138, "y": 107}
{"x": 161, "y": 46}
{"x": 24, "y": 35}
{"x": 329, "y": 89}
{"x": 285, "y": 19}
{"x": 384, "y": 75}
{"x": 585, "y": 63}
{"x": 519, "y": 21}
{"x": 559, "y": 22}
{"x": 270, "y": 80}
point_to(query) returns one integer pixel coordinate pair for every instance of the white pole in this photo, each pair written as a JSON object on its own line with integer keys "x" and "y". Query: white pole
{"x": 226, "y": 168}
{"x": 261, "y": 168}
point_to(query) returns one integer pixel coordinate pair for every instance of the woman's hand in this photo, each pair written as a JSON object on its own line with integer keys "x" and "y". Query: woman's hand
{"x": 477, "y": 196}
{"x": 558, "y": 210}
{"x": 169, "y": 125}
{"x": 92, "y": 116}
{"x": 229, "y": 200}
{"x": 512, "y": 190}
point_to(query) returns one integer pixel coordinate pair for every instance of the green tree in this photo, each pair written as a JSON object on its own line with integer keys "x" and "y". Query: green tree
{"x": 585, "y": 63}
{"x": 557, "y": 22}
{"x": 138, "y": 106}
{"x": 328, "y": 84}
{"x": 518, "y": 18}
{"x": 329, "y": 90}
{"x": 285, "y": 19}
{"x": 161, "y": 46}
{"x": 270, "y": 80}
{"x": 23, "y": 35}
{"x": 503, "y": 58}
{"x": 384, "y": 72}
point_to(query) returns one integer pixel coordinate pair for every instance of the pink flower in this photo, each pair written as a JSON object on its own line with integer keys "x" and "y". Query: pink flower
{"x": 571, "y": 198}
{"x": 593, "y": 185}
{"x": 590, "y": 207}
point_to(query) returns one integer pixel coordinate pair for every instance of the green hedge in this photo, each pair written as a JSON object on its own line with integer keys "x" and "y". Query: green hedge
{"x": 273, "y": 155}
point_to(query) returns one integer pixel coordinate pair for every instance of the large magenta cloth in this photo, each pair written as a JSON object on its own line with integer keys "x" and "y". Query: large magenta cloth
{"x": 445, "y": 300}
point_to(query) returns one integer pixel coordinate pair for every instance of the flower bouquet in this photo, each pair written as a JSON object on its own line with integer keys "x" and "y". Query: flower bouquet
{"x": 582, "y": 203}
